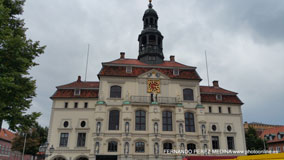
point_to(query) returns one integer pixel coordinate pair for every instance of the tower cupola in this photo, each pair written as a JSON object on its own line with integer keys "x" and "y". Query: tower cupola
{"x": 151, "y": 39}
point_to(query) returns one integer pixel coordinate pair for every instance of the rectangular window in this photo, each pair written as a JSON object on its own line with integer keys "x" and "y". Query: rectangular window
{"x": 210, "y": 109}
{"x": 76, "y": 105}
{"x": 176, "y": 71}
{"x": 63, "y": 139}
{"x": 77, "y": 92}
{"x": 231, "y": 143}
{"x": 66, "y": 105}
{"x": 81, "y": 140}
{"x": 215, "y": 142}
{"x": 86, "y": 105}
{"x": 139, "y": 147}
{"x": 229, "y": 110}
{"x": 128, "y": 69}
{"x": 220, "y": 110}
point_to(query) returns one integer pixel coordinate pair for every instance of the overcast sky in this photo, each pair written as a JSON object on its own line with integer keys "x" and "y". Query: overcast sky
{"x": 244, "y": 42}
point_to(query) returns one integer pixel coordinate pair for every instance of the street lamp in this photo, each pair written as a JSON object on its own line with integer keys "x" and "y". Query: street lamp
{"x": 43, "y": 149}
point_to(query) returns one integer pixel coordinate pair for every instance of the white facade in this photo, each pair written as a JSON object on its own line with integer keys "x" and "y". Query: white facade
{"x": 98, "y": 110}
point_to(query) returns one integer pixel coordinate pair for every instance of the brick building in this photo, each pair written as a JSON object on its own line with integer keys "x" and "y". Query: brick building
{"x": 274, "y": 138}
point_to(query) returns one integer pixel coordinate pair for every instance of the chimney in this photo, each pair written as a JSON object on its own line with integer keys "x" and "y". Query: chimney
{"x": 122, "y": 55}
{"x": 79, "y": 79}
{"x": 172, "y": 58}
{"x": 215, "y": 84}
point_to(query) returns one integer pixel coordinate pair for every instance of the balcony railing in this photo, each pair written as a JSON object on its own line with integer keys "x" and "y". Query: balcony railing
{"x": 149, "y": 99}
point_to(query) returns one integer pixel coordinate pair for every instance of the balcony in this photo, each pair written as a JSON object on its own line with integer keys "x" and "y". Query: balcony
{"x": 149, "y": 99}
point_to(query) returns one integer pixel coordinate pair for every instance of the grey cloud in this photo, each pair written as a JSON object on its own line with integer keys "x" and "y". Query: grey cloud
{"x": 244, "y": 41}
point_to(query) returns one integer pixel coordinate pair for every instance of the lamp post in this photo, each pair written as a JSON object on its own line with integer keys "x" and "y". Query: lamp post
{"x": 24, "y": 148}
{"x": 43, "y": 149}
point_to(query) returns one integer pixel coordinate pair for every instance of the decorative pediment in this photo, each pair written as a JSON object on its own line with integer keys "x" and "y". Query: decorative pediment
{"x": 153, "y": 74}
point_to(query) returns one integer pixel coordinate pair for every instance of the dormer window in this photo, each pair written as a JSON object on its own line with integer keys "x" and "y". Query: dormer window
{"x": 77, "y": 92}
{"x": 128, "y": 69}
{"x": 219, "y": 97}
{"x": 176, "y": 71}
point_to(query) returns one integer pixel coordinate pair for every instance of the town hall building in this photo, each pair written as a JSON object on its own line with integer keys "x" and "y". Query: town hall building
{"x": 145, "y": 108}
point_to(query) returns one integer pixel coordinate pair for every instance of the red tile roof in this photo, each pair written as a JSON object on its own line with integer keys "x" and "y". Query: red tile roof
{"x": 80, "y": 84}
{"x": 275, "y": 132}
{"x": 208, "y": 95}
{"x": 215, "y": 90}
{"x": 7, "y": 135}
{"x": 136, "y": 71}
{"x": 228, "y": 99}
{"x": 136, "y": 62}
{"x": 69, "y": 93}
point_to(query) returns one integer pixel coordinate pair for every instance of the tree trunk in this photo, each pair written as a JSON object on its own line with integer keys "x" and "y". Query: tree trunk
{"x": 1, "y": 121}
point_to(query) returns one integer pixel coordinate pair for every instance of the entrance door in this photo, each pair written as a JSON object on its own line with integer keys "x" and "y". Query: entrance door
{"x": 105, "y": 157}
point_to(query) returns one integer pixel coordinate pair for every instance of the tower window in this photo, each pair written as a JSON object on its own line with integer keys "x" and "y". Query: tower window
{"x": 152, "y": 39}
{"x": 144, "y": 40}
{"x": 151, "y": 58}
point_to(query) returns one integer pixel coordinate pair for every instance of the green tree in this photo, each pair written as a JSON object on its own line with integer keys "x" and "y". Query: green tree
{"x": 253, "y": 141}
{"x": 35, "y": 138}
{"x": 17, "y": 54}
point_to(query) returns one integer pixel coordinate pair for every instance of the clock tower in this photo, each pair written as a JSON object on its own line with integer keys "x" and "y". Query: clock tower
{"x": 151, "y": 39}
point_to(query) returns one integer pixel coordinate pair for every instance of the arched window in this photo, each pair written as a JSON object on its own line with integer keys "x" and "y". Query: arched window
{"x": 188, "y": 94}
{"x": 167, "y": 147}
{"x": 115, "y": 92}
{"x": 140, "y": 120}
{"x": 139, "y": 147}
{"x": 144, "y": 40}
{"x": 189, "y": 122}
{"x": 112, "y": 146}
{"x": 152, "y": 39}
{"x": 167, "y": 121}
{"x": 192, "y": 148}
{"x": 114, "y": 120}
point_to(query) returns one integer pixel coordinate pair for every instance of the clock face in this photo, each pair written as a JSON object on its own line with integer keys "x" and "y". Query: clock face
{"x": 153, "y": 86}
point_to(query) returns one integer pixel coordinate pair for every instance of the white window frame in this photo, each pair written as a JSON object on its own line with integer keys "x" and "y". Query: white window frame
{"x": 128, "y": 69}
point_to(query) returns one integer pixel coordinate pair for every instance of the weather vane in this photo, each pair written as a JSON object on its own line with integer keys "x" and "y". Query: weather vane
{"x": 150, "y": 4}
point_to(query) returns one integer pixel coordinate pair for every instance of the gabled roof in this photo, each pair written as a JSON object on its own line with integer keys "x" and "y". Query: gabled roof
{"x": 136, "y": 62}
{"x": 274, "y": 131}
{"x": 6, "y": 135}
{"x": 215, "y": 90}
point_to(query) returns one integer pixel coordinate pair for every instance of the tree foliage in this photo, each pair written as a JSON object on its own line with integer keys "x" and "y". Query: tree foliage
{"x": 253, "y": 141}
{"x": 17, "y": 54}
{"x": 35, "y": 138}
